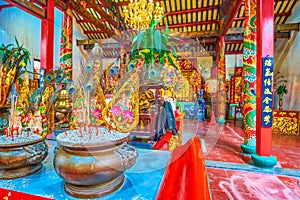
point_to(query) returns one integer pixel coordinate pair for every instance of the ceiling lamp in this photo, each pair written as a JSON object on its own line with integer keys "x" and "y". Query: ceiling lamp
{"x": 138, "y": 13}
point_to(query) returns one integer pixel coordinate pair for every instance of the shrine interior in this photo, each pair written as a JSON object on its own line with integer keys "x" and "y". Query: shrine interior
{"x": 150, "y": 99}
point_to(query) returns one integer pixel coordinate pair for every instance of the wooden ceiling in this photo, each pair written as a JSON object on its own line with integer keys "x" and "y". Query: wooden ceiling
{"x": 197, "y": 19}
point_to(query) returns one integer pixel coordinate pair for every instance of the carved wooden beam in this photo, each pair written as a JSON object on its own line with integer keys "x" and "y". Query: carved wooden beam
{"x": 87, "y": 42}
{"x": 107, "y": 4}
{"x": 214, "y": 32}
{"x": 234, "y": 37}
{"x": 42, "y": 3}
{"x": 86, "y": 20}
{"x": 85, "y": 14}
{"x": 234, "y": 41}
{"x": 283, "y": 35}
{"x": 233, "y": 52}
{"x": 93, "y": 32}
{"x": 102, "y": 13}
{"x": 178, "y": 12}
{"x": 228, "y": 11}
{"x": 286, "y": 14}
{"x": 60, "y": 4}
{"x": 29, "y": 7}
{"x": 240, "y": 31}
{"x": 189, "y": 24}
{"x": 124, "y": 3}
{"x": 288, "y": 27}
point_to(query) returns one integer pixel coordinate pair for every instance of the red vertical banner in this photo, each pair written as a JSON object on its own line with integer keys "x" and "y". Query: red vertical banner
{"x": 66, "y": 44}
{"x": 232, "y": 89}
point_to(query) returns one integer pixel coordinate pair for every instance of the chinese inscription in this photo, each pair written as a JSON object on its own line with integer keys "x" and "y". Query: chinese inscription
{"x": 267, "y": 91}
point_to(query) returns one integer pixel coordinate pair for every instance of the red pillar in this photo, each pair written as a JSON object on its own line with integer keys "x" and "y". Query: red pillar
{"x": 47, "y": 37}
{"x": 265, "y": 47}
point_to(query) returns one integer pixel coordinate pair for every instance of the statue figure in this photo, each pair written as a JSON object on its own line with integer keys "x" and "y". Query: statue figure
{"x": 201, "y": 106}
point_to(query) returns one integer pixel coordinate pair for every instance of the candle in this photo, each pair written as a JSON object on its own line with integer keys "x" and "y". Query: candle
{"x": 80, "y": 131}
{"x": 96, "y": 130}
{"x": 28, "y": 129}
{"x": 6, "y": 132}
{"x": 36, "y": 130}
{"x": 90, "y": 132}
{"x": 17, "y": 128}
{"x": 12, "y": 134}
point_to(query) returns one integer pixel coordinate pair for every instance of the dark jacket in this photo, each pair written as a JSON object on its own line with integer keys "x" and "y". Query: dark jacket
{"x": 166, "y": 120}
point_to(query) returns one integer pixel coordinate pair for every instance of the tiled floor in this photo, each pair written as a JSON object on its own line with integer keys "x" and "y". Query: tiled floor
{"x": 233, "y": 175}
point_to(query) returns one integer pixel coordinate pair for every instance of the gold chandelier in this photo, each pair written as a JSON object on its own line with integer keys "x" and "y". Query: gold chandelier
{"x": 138, "y": 13}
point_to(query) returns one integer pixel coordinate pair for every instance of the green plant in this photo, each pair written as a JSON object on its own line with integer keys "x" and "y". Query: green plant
{"x": 153, "y": 55}
{"x": 152, "y": 44}
{"x": 281, "y": 90}
{"x": 13, "y": 62}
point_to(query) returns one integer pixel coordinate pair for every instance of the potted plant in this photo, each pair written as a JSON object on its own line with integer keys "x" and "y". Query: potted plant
{"x": 13, "y": 62}
{"x": 280, "y": 91}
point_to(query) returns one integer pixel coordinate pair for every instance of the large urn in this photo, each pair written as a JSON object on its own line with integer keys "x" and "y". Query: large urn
{"x": 92, "y": 165}
{"x": 21, "y": 157}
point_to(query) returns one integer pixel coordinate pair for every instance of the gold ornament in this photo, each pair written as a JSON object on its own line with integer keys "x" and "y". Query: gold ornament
{"x": 63, "y": 107}
{"x": 138, "y": 13}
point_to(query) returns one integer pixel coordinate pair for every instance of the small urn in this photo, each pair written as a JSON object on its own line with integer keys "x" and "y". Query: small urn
{"x": 63, "y": 108}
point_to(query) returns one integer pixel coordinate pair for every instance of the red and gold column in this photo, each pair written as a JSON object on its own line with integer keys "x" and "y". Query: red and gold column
{"x": 249, "y": 75}
{"x": 222, "y": 81}
{"x": 264, "y": 93}
{"x": 66, "y": 44}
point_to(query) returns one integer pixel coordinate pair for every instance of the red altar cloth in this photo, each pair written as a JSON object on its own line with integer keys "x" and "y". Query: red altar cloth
{"x": 6, "y": 194}
{"x": 185, "y": 176}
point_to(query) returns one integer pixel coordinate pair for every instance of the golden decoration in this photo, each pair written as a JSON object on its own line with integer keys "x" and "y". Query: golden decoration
{"x": 138, "y": 13}
{"x": 125, "y": 101}
{"x": 285, "y": 123}
{"x": 63, "y": 107}
{"x": 174, "y": 142}
{"x": 146, "y": 101}
{"x": 24, "y": 92}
